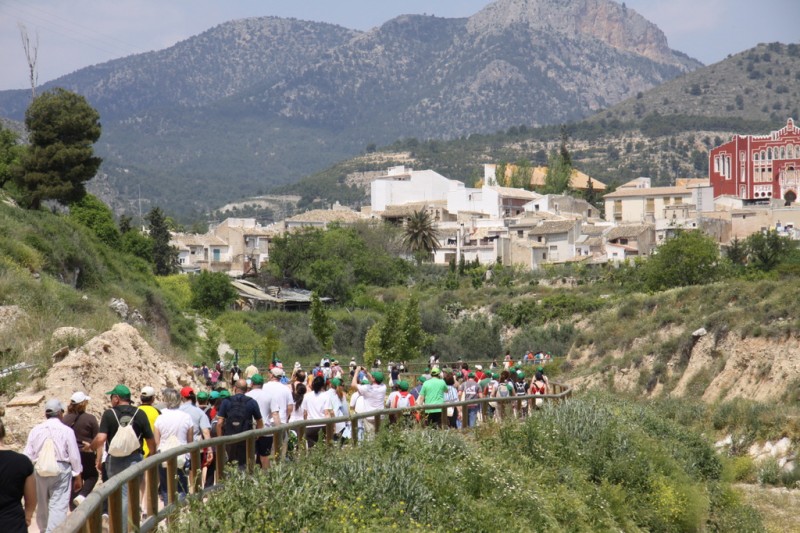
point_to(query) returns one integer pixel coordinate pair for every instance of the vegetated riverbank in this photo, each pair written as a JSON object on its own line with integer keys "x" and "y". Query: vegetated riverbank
{"x": 596, "y": 462}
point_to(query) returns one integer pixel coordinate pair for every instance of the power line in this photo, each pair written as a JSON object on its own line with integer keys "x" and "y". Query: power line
{"x": 70, "y": 30}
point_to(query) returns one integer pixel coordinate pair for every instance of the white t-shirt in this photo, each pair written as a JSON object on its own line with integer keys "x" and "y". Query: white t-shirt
{"x": 297, "y": 413}
{"x": 263, "y": 400}
{"x": 315, "y": 405}
{"x": 374, "y": 396}
{"x": 173, "y": 422}
{"x": 390, "y": 399}
{"x": 280, "y": 397}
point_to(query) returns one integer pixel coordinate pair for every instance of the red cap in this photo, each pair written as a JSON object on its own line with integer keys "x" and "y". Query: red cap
{"x": 186, "y": 392}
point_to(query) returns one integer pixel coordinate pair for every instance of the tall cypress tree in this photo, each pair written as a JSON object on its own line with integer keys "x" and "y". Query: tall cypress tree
{"x": 165, "y": 257}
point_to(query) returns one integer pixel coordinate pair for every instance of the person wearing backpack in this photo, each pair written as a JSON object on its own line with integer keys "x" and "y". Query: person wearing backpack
{"x": 123, "y": 429}
{"x": 405, "y": 399}
{"x": 503, "y": 389}
{"x": 53, "y": 449}
{"x": 236, "y": 415}
{"x": 174, "y": 427}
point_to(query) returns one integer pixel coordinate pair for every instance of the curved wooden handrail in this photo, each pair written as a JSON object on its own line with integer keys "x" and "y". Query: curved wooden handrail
{"x": 88, "y": 516}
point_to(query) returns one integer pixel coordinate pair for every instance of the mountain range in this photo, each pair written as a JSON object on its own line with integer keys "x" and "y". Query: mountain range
{"x": 255, "y": 103}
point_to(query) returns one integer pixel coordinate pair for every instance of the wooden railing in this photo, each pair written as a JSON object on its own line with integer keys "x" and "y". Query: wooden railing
{"x": 88, "y": 516}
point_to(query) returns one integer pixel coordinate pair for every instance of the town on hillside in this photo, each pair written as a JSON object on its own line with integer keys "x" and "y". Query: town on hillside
{"x": 752, "y": 186}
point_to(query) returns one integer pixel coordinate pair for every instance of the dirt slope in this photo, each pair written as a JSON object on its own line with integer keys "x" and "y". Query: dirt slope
{"x": 119, "y": 355}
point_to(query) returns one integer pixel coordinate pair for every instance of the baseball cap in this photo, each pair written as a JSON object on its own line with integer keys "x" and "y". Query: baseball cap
{"x": 186, "y": 392}
{"x": 148, "y": 392}
{"x": 214, "y": 395}
{"x": 79, "y": 397}
{"x": 435, "y": 371}
{"x": 53, "y": 406}
{"x": 120, "y": 390}
{"x": 224, "y": 393}
{"x": 471, "y": 375}
{"x": 403, "y": 385}
{"x": 257, "y": 379}
{"x": 478, "y": 367}
{"x": 422, "y": 379}
{"x": 202, "y": 395}
{"x": 365, "y": 381}
{"x": 278, "y": 372}
{"x": 336, "y": 382}
{"x": 378, "y": 376}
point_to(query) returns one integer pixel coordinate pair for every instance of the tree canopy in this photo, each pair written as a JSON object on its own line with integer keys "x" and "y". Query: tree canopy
{"x": 212, "y": 292}
{"x": 690, "y": 258}
{"x": 165, "y": 256}
{"x": 60, "y": 158}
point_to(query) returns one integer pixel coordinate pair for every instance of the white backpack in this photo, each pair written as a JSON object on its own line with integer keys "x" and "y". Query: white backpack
{"x": 46, "y": 463}
{"x": 125, "y": 442}
{"x": 172, "y": 442}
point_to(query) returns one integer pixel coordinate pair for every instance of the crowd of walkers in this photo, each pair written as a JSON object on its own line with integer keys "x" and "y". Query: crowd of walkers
{"x": 71, "y": 450}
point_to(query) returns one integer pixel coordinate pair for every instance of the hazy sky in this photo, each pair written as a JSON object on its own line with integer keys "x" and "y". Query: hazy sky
{"x": 78, "y": 33}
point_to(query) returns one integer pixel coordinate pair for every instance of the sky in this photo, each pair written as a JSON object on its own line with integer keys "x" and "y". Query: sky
{"x": 73, "y": 34}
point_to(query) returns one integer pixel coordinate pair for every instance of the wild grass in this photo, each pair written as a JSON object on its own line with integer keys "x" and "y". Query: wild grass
{"x": 594, "y": 463}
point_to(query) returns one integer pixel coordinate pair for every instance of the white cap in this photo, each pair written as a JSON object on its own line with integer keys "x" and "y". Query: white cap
{"x": 277, "y": 372}
{"x": 478, "y": 367}
{"x": 53, "y": 406}
{"x": 79, "y": 397}
{"x": 148, "y": 392}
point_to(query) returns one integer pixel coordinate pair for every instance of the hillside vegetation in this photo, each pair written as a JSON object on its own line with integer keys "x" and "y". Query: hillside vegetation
{"x": 59, "y": 273}
{"x": 595, "y": 463}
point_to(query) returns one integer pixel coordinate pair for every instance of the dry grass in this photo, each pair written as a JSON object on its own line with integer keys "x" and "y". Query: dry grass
{"x": 779, "y": 507}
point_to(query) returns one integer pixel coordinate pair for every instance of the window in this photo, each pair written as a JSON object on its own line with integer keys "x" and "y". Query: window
{"x": 716, "y": 164}
{"x": 769, "y": 154}
{"x": 539, "y": 238}
{"x": 544, "y": 256}
{"x": 678, "y": 200}
{"x": 666, "y": 200}
{"x": 650, "y": 207}
{"x": 519, "y": 233}
{"x": 755, "y": 156}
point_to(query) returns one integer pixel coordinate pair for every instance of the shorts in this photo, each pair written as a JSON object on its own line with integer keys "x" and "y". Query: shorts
{"x": 264, "y": 446}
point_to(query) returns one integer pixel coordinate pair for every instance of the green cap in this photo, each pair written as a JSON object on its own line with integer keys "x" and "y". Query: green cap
{"x": 120, "y": 390}
{"x": 422, "y": 379}
{"x": 336, "y": 382}
{"x": 378, "y": 376}
{"x": 402, "y": 385}
{"x": 224, "y": 393}
{"x": 495, "y": 375}
{"x": 202, "y": 395}
{"x": 540, "y": 368}
{"x": 471, "y": 375}
{"x": 520, "y": 374}
{"x": 214, "y": 395}
{"x": 365, "y": 381}
{"x": 257, "y": 379}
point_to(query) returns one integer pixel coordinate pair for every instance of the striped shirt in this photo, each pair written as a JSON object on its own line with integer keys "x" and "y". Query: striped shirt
{"x": 64, "y": 442}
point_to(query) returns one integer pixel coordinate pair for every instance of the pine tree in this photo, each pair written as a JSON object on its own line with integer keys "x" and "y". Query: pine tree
{"x": 60, "y": 159}
{"x": 321, "y": 324}
{"x": 165, "y": 257}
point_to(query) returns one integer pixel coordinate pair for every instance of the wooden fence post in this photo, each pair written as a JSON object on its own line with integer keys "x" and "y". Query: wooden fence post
{"x": 250, "y": 449}
{"x": 354, "y": 431}
{"x": 329, "y": 430}
{"x": 195, "y": 472}
{"x": 151, "y": 491}
{"x": 134, "y": 510}
{"x": 221, "y": 459}
{"x": 115, "y": 511}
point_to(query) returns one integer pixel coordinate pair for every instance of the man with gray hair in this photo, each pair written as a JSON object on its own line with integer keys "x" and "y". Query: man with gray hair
{"x": 53, "y": 488}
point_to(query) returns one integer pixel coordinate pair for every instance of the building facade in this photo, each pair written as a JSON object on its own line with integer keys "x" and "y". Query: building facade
{"x": 758, "y": 168}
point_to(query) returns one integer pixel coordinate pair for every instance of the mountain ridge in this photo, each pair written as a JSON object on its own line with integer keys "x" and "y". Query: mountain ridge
{"x": 255, "y": 103}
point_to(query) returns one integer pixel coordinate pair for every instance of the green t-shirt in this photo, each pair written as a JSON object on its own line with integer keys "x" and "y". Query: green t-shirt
{"x": 433, "y": 390}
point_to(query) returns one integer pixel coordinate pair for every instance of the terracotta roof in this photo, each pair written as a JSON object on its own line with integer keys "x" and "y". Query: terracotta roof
{"x": 550, "y": 227}
{"x": 512, "y": 192}
{"x": 328, "y": 215}
{"x": 192, "y": 239}
{"x": 579, "y": 180}
{"x": 628, "y": 231}
{"x": 591, "y": 229}
{"x": 650, "y": 191}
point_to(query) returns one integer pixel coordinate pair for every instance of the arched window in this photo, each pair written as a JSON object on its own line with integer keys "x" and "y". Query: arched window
{"x": 763, "y": 155}
{"x": 755, "y": 156}
{"x": 783, "y": 153}
{"x": 769, "y": 154}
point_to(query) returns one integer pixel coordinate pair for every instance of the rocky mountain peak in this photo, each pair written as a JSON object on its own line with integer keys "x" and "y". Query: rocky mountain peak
{"x": 604, "y": 20}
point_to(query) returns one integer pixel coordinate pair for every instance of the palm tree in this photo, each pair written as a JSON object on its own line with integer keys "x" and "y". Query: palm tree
{"x": 419, "y": 236}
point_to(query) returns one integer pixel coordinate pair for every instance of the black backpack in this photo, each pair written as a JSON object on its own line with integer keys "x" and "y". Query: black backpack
{"x": 237, "y": 418}
{"x": 520, "y": 388}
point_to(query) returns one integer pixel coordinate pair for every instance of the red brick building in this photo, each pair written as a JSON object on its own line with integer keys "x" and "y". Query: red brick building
{"x": 757, "y": 168}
